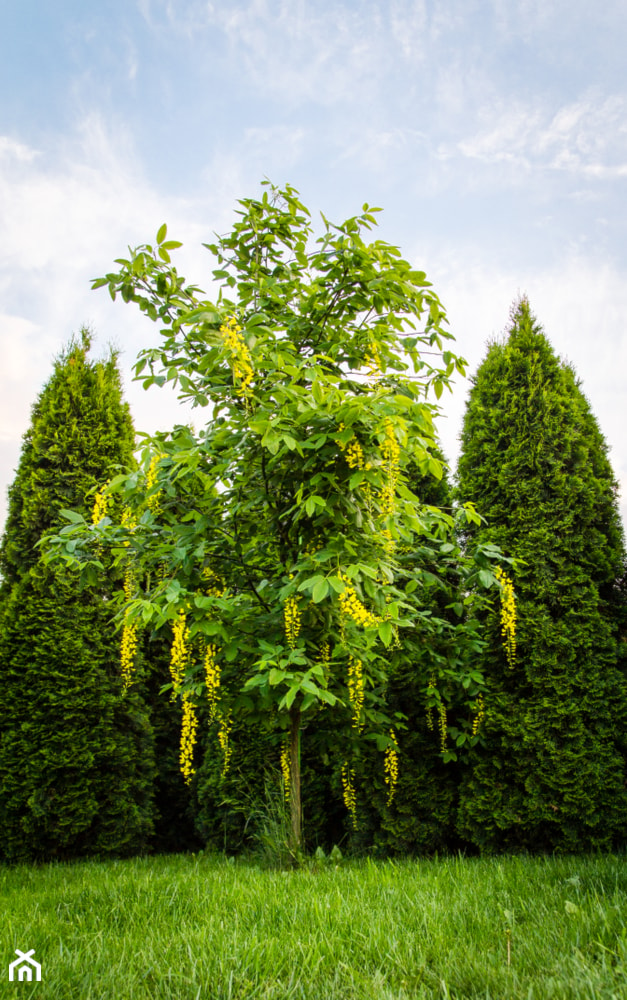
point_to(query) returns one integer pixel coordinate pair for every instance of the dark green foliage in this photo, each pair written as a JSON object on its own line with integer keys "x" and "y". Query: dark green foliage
{"x": 235, "y": 811}
{"x": 174, "y": 803}
{"x": 421, "y": 817}
{"x": 551, "y": 774}
{"x": 76, "y": 757}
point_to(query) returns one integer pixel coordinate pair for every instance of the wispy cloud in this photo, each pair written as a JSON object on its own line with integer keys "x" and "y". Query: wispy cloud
{"x": 17, "y": 152}
{"x": 586, "y": 137}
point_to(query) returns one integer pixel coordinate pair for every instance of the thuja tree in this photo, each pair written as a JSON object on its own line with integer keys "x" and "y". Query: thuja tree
{"x": 76, "y": 758}
{"x": 551, "y": 774}
{"x": 271, "y": 540}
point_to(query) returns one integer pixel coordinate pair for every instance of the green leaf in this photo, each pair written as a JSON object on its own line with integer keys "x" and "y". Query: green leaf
{"x": 161, "y": 235}
{"x": 320, "y": 591}
{"x": 386, "y": 632}
{"x": 73, "y": 516}
{"x": 310, "y": 582}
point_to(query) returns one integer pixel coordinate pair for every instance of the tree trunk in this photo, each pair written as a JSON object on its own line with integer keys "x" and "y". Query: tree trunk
{"x": 295, "y": 808}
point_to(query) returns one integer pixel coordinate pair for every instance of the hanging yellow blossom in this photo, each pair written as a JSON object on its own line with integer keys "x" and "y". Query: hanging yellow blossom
{"x": 508, "y": 615}
{"x": 215, "y": 586}
{"x": 151, "y": 482}
{"x": 348, "y": 793}
{"x": 356, "y": 691}
{"x": 241, "y": 361}
{"x": 188, "y": 738}
{"x": 354, "y": 454}
{"x": 212, "y": 679}
{"x": 480, "y": 716}
{"x": 443, "y": 729}
{"x": 100, "y": 505}
{"x": 354, "y": 451}
{"x": 285, "y": 770}
{"x": 352, "y": 607}
{"x": 128, "y": 643}
{"x": 373, "y": 360}
{"x": 292, "y": 620}
{"x": 179, "y": 651}
{"x": 431, "y": 688}
{"x": 391, "y": 453}
{"x": 390, "y": 767}
{"x": 224, "y": 731}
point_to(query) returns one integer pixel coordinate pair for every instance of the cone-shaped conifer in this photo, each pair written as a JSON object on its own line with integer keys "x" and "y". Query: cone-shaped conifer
{"x": 76, "y": 756}
{"x": 551, "y": 773}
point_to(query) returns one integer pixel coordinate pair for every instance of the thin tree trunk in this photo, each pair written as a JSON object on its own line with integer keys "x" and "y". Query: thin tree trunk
{"x": 295, "y": 808}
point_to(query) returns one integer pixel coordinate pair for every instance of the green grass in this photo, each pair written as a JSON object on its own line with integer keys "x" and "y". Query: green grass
{"x": 185, "y": 928}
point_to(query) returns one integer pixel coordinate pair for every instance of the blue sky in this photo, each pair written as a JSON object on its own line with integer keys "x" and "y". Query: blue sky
{"x": 492, "y": 132}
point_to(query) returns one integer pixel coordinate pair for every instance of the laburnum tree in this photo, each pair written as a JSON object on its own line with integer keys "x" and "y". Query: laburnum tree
{"x": 276, "y": 541}
{"x": 551, "y": 773}
{"x": 76, "y": 756}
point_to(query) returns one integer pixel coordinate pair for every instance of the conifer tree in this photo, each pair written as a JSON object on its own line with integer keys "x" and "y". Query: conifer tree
{"x": 76, "y": 756}
{"x": 551, "y": 772}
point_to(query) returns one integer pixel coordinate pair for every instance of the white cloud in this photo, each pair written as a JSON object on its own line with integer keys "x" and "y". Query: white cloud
{"x": 586, "y": 137}
{"x": 11, "y": 149}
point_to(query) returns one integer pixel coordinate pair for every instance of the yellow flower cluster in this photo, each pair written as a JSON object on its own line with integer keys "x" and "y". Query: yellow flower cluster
{"x": 508, "y": 615}
{"x": 480, "y": 716}
{"x": 241, "y": 363}
{"x": 351, "y": 607}
{"x": 179, "y": 651}
{"x": 354, "y": 454}
{"x": 188, "y": 739}
{"x": 100, "y": 506}
{"x": 128, "y": 520}
{"x": 224, "y": 732}
{"x": 391, "y": 454}
{"x": 430, "y": 691}
{"x": 151, "y": 482}
{"x": 373, "y": 360}
{"x": 291, "y": 618}
{"x": 356, "y": 691}
{"x": 128, "y": 643}
{"x": 348, "y": 793}
{"x": 443, "y": 729}
{"x": 214, "y": 584}
{"x": 285, "y": 770}
{"x": 212, "y": 679}
{"x": 390, "y": 767}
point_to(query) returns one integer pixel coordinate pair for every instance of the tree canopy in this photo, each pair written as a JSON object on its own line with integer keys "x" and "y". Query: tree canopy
{"x": 277, "y": 541}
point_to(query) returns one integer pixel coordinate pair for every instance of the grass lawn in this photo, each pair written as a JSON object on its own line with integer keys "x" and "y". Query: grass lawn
{"x": 186, "y": 927}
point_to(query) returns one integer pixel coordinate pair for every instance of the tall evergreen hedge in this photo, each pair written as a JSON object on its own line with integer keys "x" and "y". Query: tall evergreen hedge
{"x": 551, "y": 772}
{"x": 76, "y": 756}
